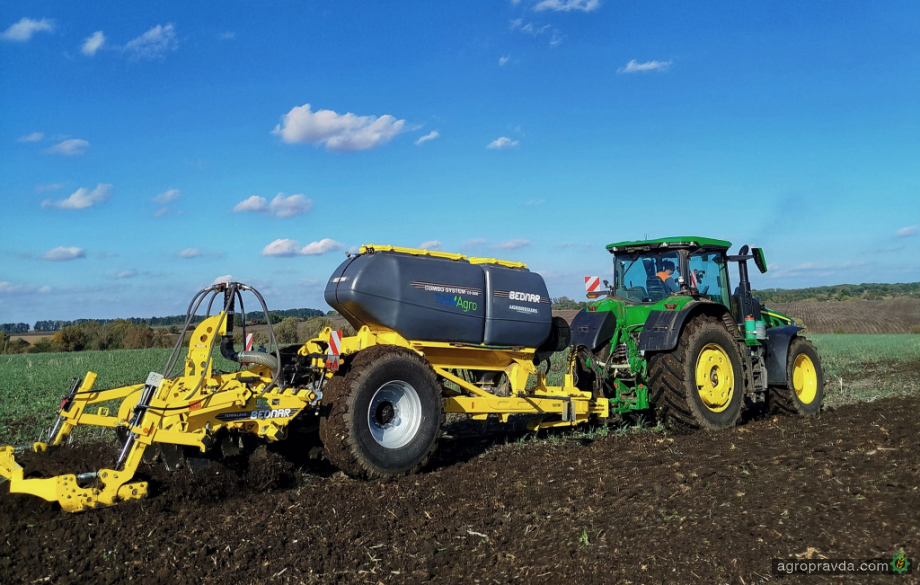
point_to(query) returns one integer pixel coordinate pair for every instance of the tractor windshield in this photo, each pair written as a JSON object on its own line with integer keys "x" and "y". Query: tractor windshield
{"x": 646, "y": 277}
{"x": 709, "y": 276}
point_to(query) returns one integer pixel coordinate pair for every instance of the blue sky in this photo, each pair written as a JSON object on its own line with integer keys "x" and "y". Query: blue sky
{"x": 146, "y": 152}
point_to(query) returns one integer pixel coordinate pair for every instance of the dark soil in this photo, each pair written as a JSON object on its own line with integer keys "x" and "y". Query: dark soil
{"x": 640, "y": 508}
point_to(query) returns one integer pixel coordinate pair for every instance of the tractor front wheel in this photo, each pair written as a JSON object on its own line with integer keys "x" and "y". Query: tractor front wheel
{"x": 700, "y": 384}
{"x": 804, "y": 390}
{"x": 383, "y": 418}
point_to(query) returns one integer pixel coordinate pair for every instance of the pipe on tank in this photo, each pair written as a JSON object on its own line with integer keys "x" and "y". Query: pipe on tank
{"x": 246, "y": 357}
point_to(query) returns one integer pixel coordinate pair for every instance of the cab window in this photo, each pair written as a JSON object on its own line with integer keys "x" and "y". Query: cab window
{"x": 708, "y": 275}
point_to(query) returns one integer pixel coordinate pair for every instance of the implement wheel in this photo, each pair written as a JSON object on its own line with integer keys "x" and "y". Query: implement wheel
{"x": 804, "y": 390}
{"x": 700, "y": 384}
{"x": 383, "y": 418}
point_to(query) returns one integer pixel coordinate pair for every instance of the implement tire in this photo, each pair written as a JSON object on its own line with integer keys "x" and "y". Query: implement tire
{"x": 804, "y": 390}
{"x": 700, "y": 384}
{"x": 384, "y": 417}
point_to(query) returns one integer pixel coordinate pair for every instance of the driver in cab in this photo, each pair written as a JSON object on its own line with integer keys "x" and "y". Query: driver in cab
{"x": 667, "y": 269}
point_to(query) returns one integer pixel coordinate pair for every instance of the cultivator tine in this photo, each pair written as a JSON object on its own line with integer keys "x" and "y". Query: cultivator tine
{"x": 65, "y": 406}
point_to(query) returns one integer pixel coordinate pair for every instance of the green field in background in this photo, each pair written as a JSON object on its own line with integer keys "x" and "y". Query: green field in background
{"x": 857, "y": 368}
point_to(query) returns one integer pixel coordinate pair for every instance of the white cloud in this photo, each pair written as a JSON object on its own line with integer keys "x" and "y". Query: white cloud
{"x": 634, "y": 67}
{"x": 431, "y": 245}
{"x": 7, "y": 287}
{"x": 223, "y": 279}
{"x": 11, "y": 288}
{"x": 24, "y": 29}
{"x": 166, "y": 196}
{"x": 280, "y": 206}
{"x": 503, "y": 60}
{"x": 512, "y": 244}
{"x": 906, "y": 231}
{"x": 323, "y": 246}
{"x": 568, "y": 5}
{"x": 92, "y": 43}
{"x": 529, "y": 28}
{"x": 339, "y": 132}
{"x": 154, "y": 44}
{"x": 189, "y": 253}
{"x": 64, "y": 254}
{"x": 556, "y": 40}
{"x": 282, "y": 247}
{"x": 33, "y": 137}
{"x": 44, "y": 188}
{"x": 287, "y": 248}
{"x": 124, "y": 274}
{"x": 82, "y": 198}
{"x": 534, "y": 202}
{"x": 72, "y": 147}
{"x": 430, "y": 136}
{"x": 227, "y": 35}
{"x": 502, "y": 143}
{"x": 251, "y": 205}
{"x": 474, "y": 243}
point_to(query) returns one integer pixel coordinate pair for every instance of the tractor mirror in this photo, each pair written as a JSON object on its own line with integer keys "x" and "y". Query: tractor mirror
{"x": 759, "y": 259}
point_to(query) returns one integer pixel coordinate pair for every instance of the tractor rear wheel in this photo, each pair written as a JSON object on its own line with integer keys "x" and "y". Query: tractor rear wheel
{"x": 804, "y": 390}
{"x": 700, "y": 384}
{"x": 383, "y": 418}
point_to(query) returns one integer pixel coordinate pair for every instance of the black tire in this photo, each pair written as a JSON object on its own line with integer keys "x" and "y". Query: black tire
{"x": 673, "y": 381}
{"x": 355, "y": 436}
{"x": 799, "y": 396}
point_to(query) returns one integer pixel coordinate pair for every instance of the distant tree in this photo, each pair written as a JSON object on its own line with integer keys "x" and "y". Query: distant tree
{"x": 567, "y": 304}
{"x": 312, "y": 327}
{"x": 70, "y": 338}
{"x": 286, "y": 331}
{"x": 43, "y": 345}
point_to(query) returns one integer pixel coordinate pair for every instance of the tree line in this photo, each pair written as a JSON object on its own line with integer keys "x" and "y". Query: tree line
{"x": 841, "y": 292}
{"x": 252, "y": 317}
{"x": 91, "y": 335}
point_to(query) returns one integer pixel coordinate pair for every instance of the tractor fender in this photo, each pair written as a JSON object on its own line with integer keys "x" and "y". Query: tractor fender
{"x": 662, "y": 328}
{"x": 593, "y": 329}
{"x": 777, "y": 352}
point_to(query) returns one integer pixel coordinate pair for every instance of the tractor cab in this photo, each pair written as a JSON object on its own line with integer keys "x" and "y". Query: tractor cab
{"x": 651, "y": 270}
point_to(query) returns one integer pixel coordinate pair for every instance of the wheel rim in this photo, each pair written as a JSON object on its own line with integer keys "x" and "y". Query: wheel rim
{"x": 395, "y": 414}
{"x": 715, "y": 378}
{"x": 804, "y": 379}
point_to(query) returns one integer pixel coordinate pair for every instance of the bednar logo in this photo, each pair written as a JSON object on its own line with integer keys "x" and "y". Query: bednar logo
{"x": 334, "y": 351}
{"x": 592, "y": 283}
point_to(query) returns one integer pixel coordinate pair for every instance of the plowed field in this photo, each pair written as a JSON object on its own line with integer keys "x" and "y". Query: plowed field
{"x": 641, "y": 507}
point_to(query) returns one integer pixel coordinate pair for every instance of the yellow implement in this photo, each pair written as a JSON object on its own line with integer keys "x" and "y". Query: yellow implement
{"x": 376, "y": 399}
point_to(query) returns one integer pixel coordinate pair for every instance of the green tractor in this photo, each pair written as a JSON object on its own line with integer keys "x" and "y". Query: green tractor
{"x": 671, "y": 337}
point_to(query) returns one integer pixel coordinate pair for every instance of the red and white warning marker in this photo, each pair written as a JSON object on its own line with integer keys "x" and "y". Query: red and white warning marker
{"x": 592, "y": 283}
{"x": 335, "y": 349}
{"x": 248, "y": 342}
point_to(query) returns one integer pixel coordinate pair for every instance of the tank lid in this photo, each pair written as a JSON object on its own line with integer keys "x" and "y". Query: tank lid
{"x": 413, "y": 251}
{"x": 435, "y": 254}
{"x": 505, "y": 263}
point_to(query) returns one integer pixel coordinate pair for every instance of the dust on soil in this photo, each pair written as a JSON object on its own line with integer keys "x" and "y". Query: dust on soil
{"x": 639, "y": 508}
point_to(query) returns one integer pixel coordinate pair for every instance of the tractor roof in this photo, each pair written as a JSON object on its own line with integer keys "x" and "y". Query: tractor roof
{"x": 673, "y": 242}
